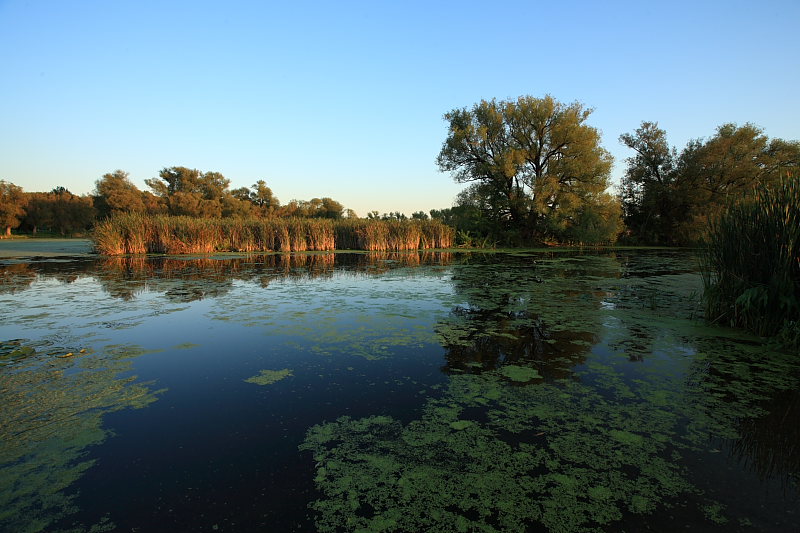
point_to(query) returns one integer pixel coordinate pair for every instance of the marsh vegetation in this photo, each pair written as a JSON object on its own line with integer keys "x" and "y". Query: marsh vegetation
{"x": 138, "y": 234}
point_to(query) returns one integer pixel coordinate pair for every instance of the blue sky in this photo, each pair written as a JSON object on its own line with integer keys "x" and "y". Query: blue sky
{"x": 345, "y": 99}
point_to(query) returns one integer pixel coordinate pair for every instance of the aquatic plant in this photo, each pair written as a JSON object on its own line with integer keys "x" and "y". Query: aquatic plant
{"x": 268, "y": 377}
{"x": 559, "y": 455}
{"x": 137, "y": 234}
{"x": 52, "y": 411}
{"x": 751, "y": 260}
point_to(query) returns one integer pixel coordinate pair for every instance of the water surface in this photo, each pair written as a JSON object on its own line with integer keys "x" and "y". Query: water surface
{"x": 559, "y": 391}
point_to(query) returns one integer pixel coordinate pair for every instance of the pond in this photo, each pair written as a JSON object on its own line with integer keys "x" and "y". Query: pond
{"x": 522, "y": 391}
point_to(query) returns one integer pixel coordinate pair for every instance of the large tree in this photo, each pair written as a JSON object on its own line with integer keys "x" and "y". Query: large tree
{"x": 537, "y": 160}
{"x": 188, "y": 191}
{"x": 12, "y": 206}
{"x": 263, "y": 203}
{"x": 114, "y": 193}
{"x": 649, "y": 198}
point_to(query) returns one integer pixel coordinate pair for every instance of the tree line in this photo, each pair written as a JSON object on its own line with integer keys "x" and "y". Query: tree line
{"x": 535, "y": 169}
{"x": 537, "y": 173}
{"x": 176, "y": 191}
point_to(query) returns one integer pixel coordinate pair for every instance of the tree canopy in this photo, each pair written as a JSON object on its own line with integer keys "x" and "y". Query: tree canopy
{"x": 114, "y": 193}
{"x": 535, "y": 162}
{"x": 12, "y": 206}
{"x": 668, "y": 197}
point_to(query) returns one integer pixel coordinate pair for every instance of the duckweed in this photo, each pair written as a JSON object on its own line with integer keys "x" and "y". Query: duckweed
{"x": 268, "y": 377}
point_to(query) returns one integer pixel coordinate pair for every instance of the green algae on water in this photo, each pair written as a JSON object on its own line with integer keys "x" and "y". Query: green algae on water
{"x": 562, "y": 456}
{"x": 268, "y": 377}
{"x": 519, "y": 373}
{"x": 52, "y": 411}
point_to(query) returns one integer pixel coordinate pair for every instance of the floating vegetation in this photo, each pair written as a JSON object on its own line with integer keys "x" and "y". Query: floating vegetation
{"x": 52, "y": 411}
{"x": 502, "y": 450}
{"x": 185, "y": 346}
{"x": 268, "y": 377}
{"x": 560, "y": 391}
{"x": 490, "y": 456}
{"x": 519, "y": 373}
{"x": 12, "y": 350}
{"x": 559, "y": 455}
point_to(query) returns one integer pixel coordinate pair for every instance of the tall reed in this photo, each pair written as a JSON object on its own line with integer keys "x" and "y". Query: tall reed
{"x": 137, "y": 234}
{"x": 751, "y": 263}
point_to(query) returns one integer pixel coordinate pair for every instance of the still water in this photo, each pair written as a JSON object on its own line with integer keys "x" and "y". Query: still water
{"x": 539, "y": 391}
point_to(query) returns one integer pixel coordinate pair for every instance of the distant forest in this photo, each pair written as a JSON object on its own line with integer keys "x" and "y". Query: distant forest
{"x": 536, "y": 173}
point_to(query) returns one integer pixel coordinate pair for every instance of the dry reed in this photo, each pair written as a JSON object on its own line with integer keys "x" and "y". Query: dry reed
{"x": 137, "y": 234}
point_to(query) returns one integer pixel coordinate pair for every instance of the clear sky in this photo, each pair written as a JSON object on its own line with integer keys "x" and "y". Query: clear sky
{"x": 345, "y": 99}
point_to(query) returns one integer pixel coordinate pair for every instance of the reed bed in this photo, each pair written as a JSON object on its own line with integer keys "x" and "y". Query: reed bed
{"x": 751, "y": 263}
{"x": 138, "y": 234}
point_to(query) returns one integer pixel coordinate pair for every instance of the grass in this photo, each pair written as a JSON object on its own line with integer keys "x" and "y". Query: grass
{"x": 138, "y": 234}
{"x": 751, "y": 263}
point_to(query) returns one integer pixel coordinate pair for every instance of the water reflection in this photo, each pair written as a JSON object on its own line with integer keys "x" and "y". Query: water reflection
{"x": 770, "y": 444}
{"x": 634, "y": 388}
{"x": 186, "y": 279}
{"x": 545, "y": 314}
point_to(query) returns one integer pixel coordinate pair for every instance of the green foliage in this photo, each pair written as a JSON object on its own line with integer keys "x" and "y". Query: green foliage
{"x": 191, "y": 192}
{"x": 668, "y": 198}
{"x": 535, "y": 162}
{"x": 12, "y": 206}
{"x": 752, "y": 262}
{"x": 314, "y": 208}
{"x": 59, "y": 211}
{"x": 648, "y": 196}
{"x": 114, "y": 193}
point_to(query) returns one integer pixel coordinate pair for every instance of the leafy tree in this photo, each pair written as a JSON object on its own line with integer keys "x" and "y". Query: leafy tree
{"x": 262, "y": 197}
{"x": 598, "y": 221}
{"x": 649, "y": 199}
{"x": 12, "y": 206}
{"x": 536, "y": 158}
{"x": 70, "y": 213}
{"x": 60, "y": 211}
{"x": 153, "y": 205}
{"x": 114, "y": 193}
{"x": 330, "y": 208}
{"x": 235, "y": 207}
{"x": 39, "y": 212}
{"x": 670, "y": 197}
{"x": 242, "y": 193}
{"x": 190, "y": 191}
{"x": 394, "y": 215}
{"x": 314, "y": 208}
{"x": 419, "y": 215}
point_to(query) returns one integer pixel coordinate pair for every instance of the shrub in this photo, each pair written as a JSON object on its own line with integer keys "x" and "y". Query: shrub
{"x": 751, "y": 262}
